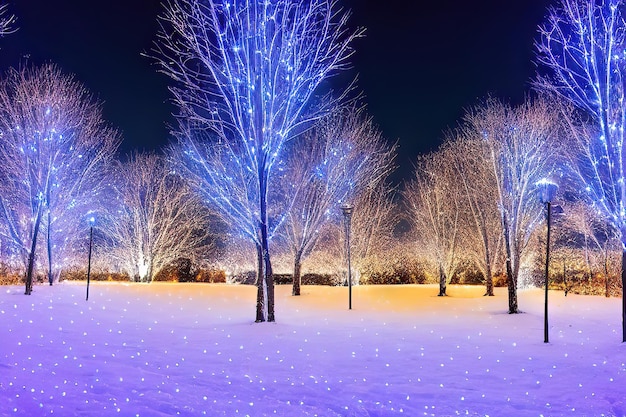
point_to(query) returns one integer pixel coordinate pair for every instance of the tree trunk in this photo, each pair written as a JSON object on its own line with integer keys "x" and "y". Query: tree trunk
{"x": 269, "y": 279}
{"x": 149, "y": 273}
{"x": 263, "y": 170}
{"x": 565, "y": 278}
{"x": 606, "y": 274}
{"x": 488, "y": 273}
{"x": 297, "y": 264}
{"x": 587, "y": 261}
{"x": 260, "y": 284}
{"x": 511, "y": 277}
{"x": 31, "y": 255}
{"x": 267, "y": 264}
{"x": 50, "y": 277}
{"x": 442, "y": 282}
{"x": 623, "y": 298}
{"x": 489, "y": 282}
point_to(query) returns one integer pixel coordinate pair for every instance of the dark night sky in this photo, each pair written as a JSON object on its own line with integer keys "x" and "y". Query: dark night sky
{"x": 420, "y": 64}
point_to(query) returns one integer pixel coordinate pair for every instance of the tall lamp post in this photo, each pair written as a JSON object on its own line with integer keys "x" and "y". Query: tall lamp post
{"x": 547, "y": 190}
{"x": 92, "y": 221}
{"x": 347, "y": 217}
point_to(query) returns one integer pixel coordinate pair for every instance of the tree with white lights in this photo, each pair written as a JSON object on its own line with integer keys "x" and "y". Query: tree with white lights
{"x": 54, "y": 145}
{"x": 434, "y": 202}
{"x": 482, "y": 231}
{"x": 336, "y": 162}
{"x": 248, "y": 72}
{"x": 158, "y": 218}
{"x": 7, "y": 21}
{"x": 520, "y": 146}
{"x": 582, "y": 49}
{"x": 584, "y": 224}
{"x": 374, "y": 219}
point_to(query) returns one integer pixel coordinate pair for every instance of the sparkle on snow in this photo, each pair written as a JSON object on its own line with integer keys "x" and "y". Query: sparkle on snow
{"x": 191, "y": 350}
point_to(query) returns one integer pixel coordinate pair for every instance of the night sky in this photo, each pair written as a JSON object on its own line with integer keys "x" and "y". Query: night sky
{"x": 420, "y": 65}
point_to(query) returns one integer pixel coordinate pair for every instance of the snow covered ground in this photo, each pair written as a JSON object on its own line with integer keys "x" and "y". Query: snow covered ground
{"x": 192, "y": 349}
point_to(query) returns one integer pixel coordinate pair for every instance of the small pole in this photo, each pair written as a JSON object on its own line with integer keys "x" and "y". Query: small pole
{"x": 347, "y": 214}
{"x": 545, "y": 322}
{"x": 547, "y": 189}
{"x": 91, "y": 222}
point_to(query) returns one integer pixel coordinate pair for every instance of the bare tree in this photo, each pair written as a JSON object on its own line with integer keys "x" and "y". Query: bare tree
{"x": 159, "y": 219}
{"x": 54, "y": 146}
{"x": 248, "y": 72}
{"x": 483, "y": 234}
{"x": 582, "y": 49}
{"x": 584, "y": 223}
{"x": 434, "y": 201}
{"x": 374, "y": 219}
{"x": 7, "y": 21}
{"x": 520, "y": 146}
{"x": 343, "y": 159}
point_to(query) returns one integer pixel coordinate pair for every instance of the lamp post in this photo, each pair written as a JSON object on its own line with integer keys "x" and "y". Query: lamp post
{"x": 92, "y": 221}
{"x": 347, "y": 217}
{"x": 547, "y": 190}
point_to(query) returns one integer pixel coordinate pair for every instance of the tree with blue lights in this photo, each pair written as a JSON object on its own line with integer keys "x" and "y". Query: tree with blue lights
{"x": 54, "y": 146}
{"x": 248, "y": 77}
{"x": 520, "y": 146}
{"x": 582, "y": 50}
{"x": 333, "y": 164}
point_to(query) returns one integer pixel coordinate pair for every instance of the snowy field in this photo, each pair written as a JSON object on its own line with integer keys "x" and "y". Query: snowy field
{"x": 192, "y": 350}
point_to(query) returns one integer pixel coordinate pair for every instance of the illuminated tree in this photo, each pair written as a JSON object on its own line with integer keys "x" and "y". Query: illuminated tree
{"x": 482, "y": 231}
{"x": 521, "y": 147}
{"x": 434, "y": 202}
{"x": 584, "y": 222}
{"x": 54, "y": 145}
{"x": 6, "y": 27}
{"x": 159, "y": 219}
{"x": 582, "y": 48}
{"x": 249, "y": 73}
{"x": 373, "y": 221}
{"x": 338, "y": 161}
{"x": 7, "y": 21}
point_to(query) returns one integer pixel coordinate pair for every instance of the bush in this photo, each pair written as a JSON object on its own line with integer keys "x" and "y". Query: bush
{"x": 283, "y": 279}
{"x": 319, "y": 279}
{"x": 247, "y": 278}
{"x": 401, "y": 270}
{"x": 9, "y": 276}
{"x": 500, "y": 280}
{"x": 211, "y": 276}
{"x": 177, "y": 271}
{"x": 81, "y": 275}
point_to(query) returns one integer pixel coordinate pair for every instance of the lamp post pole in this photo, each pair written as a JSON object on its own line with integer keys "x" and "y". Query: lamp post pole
{"x": 547, "y": 190}
{"x": 91, "y": 223}
{"x": 546, "y": 338}
{"x": 347, "y": 216}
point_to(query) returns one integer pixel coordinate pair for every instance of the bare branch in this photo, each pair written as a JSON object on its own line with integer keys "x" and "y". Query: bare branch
{"x": 54, "y": 148}
{"x": 247, "y": 77}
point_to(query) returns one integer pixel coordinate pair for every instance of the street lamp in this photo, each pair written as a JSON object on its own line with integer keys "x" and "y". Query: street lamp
{"x": 92, "y": 221}
{"x": 547, "y": 190}
{"x": 347, "y": 217}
